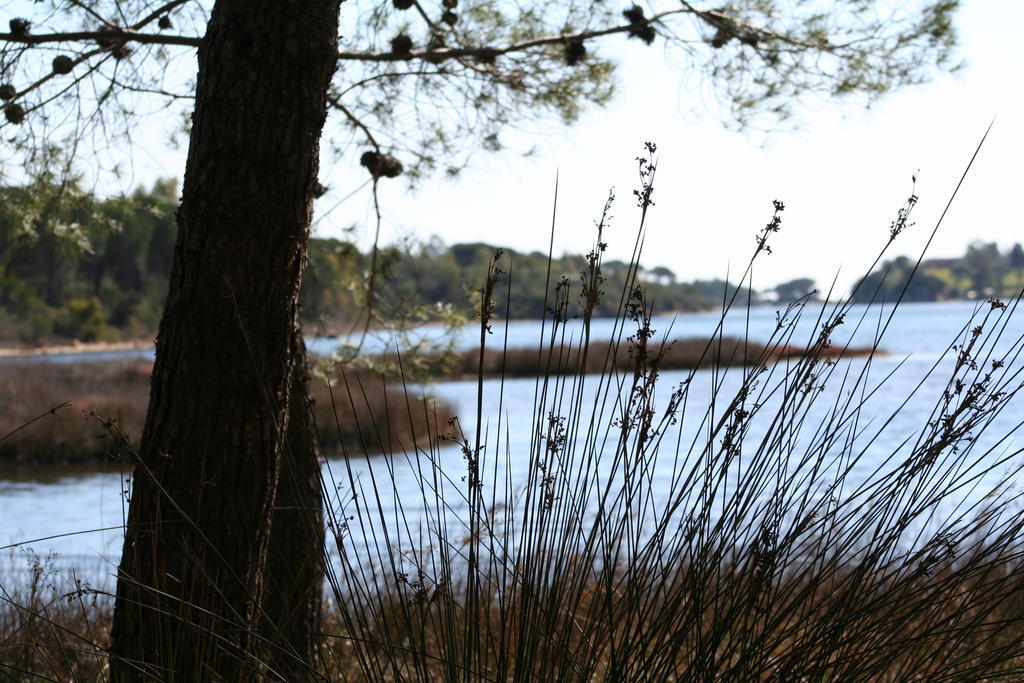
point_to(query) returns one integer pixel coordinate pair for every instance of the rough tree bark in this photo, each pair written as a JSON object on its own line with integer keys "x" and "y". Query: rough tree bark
{"x": 228, "y": 377}
{"x": 295, "y": 574}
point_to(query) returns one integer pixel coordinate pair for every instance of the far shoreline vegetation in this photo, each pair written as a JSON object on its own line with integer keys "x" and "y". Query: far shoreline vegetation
{"x": 76, "y": 269}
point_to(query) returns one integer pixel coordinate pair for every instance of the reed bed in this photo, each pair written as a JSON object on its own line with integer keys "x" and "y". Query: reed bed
{"x": 680, "y": 354}
{"x": 74, "y": 399}
{"x": 64, "y": 396}
{"x": 66, "y": 406}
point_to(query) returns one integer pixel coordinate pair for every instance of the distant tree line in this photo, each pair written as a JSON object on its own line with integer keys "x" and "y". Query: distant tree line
{"x": 982, "y": 271}
{"x": 429, "y": 272}
{"x": 76, "y": 267}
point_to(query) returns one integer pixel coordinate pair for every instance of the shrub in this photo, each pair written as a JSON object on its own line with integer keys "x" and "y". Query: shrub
{"x": 83, "y": 319}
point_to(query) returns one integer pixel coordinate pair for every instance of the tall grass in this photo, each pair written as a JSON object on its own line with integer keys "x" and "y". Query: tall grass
{"x": 52, "y": 625}
{"x": 647, "y": 533}
{"x": 641, "y": 532}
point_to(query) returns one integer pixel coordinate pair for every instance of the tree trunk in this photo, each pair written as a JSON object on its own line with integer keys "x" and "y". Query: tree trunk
{"x": 295, "y": 570}
{"x": 193, "y": 571}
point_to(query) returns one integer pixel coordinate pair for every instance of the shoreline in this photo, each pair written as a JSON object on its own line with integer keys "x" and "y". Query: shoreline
{"x": 75, "y": 347}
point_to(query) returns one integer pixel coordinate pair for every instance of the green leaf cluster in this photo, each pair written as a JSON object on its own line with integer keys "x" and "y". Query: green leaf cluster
{"x": 75, "y": 267}
{"x": 982, "y": 271}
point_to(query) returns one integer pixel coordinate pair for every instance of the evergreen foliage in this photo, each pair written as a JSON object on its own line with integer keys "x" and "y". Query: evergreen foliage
{"x": 429, "y": 85}
{"x": 982, "y": 271}
{"x": 75, "y": 267}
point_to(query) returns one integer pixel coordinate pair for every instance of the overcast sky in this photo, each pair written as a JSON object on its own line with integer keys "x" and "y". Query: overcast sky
{"x": 842, "y": 175}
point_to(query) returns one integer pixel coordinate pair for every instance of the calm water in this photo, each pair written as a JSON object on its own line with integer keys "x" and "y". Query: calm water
{"x": 89, "y": 505}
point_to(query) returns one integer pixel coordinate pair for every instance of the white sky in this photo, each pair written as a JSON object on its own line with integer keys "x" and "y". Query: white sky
{"x": 843, "y": 175}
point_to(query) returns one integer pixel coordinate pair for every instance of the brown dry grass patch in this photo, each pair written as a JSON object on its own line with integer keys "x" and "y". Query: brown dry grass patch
{"x": 371, "y": 418}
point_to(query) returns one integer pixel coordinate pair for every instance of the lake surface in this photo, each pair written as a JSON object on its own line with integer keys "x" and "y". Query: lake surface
{"x": 77, "y": 513}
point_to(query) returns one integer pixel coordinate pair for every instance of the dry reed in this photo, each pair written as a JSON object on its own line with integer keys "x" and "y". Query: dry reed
{"x": 74, "y": 400}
